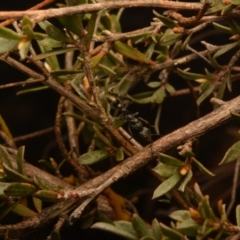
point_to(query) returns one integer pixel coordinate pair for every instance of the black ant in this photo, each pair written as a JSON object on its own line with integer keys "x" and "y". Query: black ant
{"x": 134, "y": 122}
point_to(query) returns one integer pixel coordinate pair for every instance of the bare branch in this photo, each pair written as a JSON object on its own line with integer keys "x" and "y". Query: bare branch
{"x": 40, "y": 15}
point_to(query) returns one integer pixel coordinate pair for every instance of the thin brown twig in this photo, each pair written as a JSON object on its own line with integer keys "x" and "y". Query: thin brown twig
{"x": 199, "y": 54}
{"x": 40, "y": 15}
{"x": 193, "y": 19}
{"x": 33, "y": 135}
{"x": 36, "y": 7}
{"x": 109, "y": 36}
{"x": 8, "y": 85}
{"x": 185, "y": 59}
{"x": 71, "y": 124}
{"x": 82, "y": 172}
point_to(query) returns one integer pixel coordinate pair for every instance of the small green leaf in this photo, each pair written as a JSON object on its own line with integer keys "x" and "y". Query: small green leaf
{"x": 35, "y": 89}
{"x": 225, "y": 49}
{"x": 73, "y": 23}
{"x": 37, "y": 204}
{"x": 227, "y": 9}
{"x": 222, "y": 28}
{"x": 119, "y": 155}
{"x": 46, "y": 195}
{"x": 9, "y": 34}
{"x": 234, "y": 26}
{"x": 111, "y": 228}
{"x": 157, "y": 233}
{"x": 14, "y": 175}
{"x": 23, "y": 211}
{"x": 93, "y": 157}
{"x": 180, "y": 215}
{"x": 51, "y": 43}
{"x": 140, "y": 227}
{"x": 205, "y": 209}
{"x": 190, "y": 76}
{"x": 235, "y": 116}
{"x": 52, "y": 62}
{"x": 150, "y": 51}
{"x": 232, "y": 154}
{"x": 7, "y": 208}
{"x": 169, "y": 38}
{"x": 125, "y": 226}
{"x": 188, "y": 227}
{"x": 171, "y": 233}
{"x": 5, "y": 158}
{"x": 124, "y": 85}
{"x": 20, "y": 159}
{"x": 20, "y": 189}
{"x": 202, "y": 168}
{"x": 39, "y": 36}
{"x": 57, "y": 34}
{"x": 44, "y": 184}
{"x": 90, "y": 28}
{"x": 7, "y": 45}
{"x": 238, "y": 214}
{"x": 167, "y": 21}
{"x": 129, "y": 51}
{"x": 27, "y": 27}
{"x": 187, "y": 40}
{"x": 185, "y": 181}
{"x": 142, "y": 100}
{"x": 166, "y": 159}
{"x": 165, "y": 170}
{"x": 169, "y": 88}
{"x": 158, "y": 96}
{"x": 206, "y": 93}
{"x": 167, "y": 185}
{"x": 3, "y": 186}
{"x": 154, "y": 84}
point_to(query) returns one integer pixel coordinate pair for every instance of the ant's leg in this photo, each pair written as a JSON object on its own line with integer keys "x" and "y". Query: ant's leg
{"x": 130, "y": 131}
